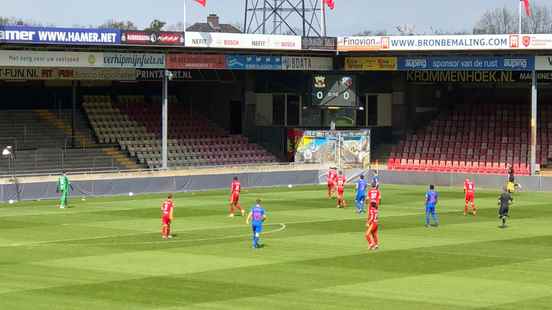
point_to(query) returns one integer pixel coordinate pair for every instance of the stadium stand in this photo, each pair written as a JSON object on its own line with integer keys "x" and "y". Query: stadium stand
{"x": 42, "y": 143}
{"x": 475, "y": 138}
{"x": 135, "y": 125}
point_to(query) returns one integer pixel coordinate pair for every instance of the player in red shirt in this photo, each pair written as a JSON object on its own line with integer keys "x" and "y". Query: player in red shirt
{"x": 166, "y": 217}
{"x": 340, "y": 183}
{"x": 469, "y": 190}
{"x": 374, "y": 198}
{"x": 331, "y": 179}
{"x": 235, "y": 197}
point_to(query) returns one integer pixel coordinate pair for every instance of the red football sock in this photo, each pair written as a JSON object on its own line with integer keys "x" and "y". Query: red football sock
{"x": 239, "y": 207}
{"x": 370, "y": 240}
{"x": 375, "y": 237}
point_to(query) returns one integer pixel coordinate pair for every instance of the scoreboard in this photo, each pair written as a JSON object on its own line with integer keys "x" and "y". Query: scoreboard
{"x": 334, "y": 90}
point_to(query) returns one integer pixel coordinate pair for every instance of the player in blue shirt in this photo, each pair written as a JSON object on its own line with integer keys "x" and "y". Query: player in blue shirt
{"x": 361, "y": 194}
{"x": 256, "y": 217}
{"x": 375, "y": 179}
{"x": 431, "y": 201}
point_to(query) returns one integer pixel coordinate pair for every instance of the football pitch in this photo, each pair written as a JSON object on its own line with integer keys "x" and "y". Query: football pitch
{"x": 107, "y": 253}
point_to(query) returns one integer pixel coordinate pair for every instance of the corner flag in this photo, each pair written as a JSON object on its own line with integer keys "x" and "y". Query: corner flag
{"x": 202, "y": 2}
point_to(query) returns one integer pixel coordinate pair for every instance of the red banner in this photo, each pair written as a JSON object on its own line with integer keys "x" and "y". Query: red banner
{"x": 152, "y": 38}
{"x": 196, "y": 61}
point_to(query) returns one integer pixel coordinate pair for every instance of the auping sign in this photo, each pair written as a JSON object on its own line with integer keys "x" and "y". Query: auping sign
{"x": 49, "y": 35}
{"x": 517, "y": 63}
{"x": 543, "y": 63}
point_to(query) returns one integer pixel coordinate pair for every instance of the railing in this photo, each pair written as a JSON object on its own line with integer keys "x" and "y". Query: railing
{"x": 102, "y": 170}
{"x": 33, "y": 162}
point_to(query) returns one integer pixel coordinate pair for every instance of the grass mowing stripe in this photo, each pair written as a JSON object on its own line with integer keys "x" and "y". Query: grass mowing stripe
{"x": 322, "y": 249}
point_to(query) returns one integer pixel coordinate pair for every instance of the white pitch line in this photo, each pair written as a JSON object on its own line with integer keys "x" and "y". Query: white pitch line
{"x": 39, "y": 243}
{"x": 282, "y": 228}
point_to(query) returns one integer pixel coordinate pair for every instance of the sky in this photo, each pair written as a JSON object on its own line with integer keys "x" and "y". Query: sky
{"x": 349, "y": 16}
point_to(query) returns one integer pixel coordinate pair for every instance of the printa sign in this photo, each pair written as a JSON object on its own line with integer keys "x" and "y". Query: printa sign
{"x": 49, "y": 35}
{"x": 514, "y": 63}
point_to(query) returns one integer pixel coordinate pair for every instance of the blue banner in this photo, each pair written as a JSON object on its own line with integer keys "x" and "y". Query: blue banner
{"x": 250, "y": 62}
{"x": 514, "y": 63}
{"x": 49, "y": 35}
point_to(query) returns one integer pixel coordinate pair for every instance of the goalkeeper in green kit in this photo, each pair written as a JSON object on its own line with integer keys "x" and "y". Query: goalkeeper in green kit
{"x": 63, "y": 187}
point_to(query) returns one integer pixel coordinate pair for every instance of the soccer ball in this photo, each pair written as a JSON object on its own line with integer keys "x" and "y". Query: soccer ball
{"x": 290, "y": 186}
{"x": 83, "y": 199}
{"x": 11, "y": 201}
{"x": 519, "y": 187}
{"x": 131, "y": 194}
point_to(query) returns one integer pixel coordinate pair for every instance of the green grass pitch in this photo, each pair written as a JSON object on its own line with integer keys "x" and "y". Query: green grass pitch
{"x": 107, "y": 253}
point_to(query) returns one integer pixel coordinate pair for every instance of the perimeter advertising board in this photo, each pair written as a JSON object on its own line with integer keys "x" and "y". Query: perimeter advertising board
{"x": 514, "y": 63}
{"x": 9, "y": 58}
{"x": 158, "y": 75}
{"x": 543, "y": 63}
{"x": 307, "y": 63}
{"x": 241, "y": 41}
{"x": 152, "y": 38}
{"x": 371, "y": 63}
{"x": 81, "y": 74}
{"x": 445, "y": 42}
{"x": 196, "y": 61}
{"x": 319, "y": 43}
{"x": 476, "y": 77}
{"x": 253, "y": 62}
{"x": 134, "y": 60}
{"x": 50, "y": 35}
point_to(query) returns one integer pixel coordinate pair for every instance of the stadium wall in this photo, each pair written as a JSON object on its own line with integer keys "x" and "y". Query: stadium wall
{"x": 529, "y": 183}
{"x": 144, "y": 185}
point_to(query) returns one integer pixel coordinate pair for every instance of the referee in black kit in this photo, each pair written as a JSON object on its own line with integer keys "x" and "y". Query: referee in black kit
{"x": 504, "y": 202}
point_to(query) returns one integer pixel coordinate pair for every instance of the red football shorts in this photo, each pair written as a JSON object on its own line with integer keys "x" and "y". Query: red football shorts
{"x": 235, "y": 197}
{"x": 374, "y": 227}
{"x": 166, "y": 220}
{"x": 470, "y": 197}
{"x": 330, "y": 185}
{"x": 340, "y": 191}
